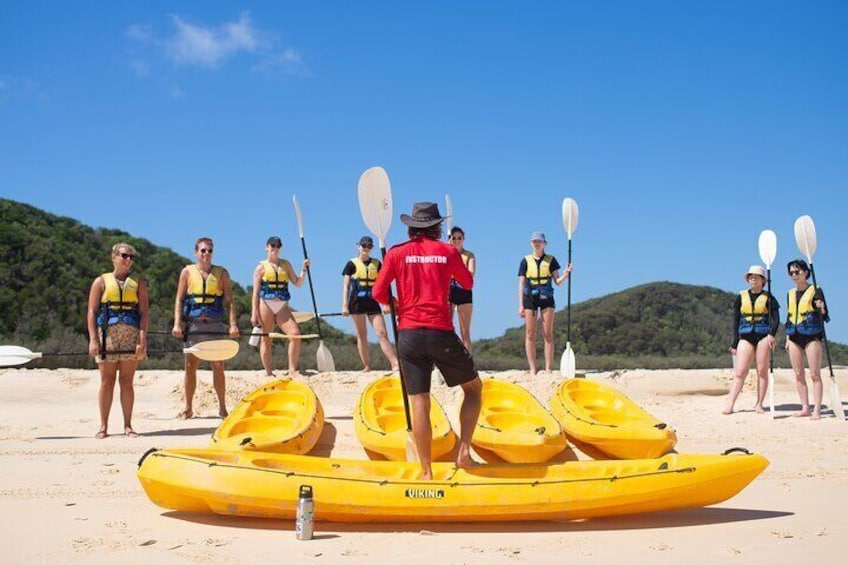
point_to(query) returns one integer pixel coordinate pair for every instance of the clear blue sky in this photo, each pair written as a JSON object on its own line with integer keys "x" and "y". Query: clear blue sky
{"x": 682, "y": 129}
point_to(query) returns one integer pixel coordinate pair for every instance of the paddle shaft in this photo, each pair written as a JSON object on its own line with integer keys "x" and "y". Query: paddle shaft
{"x": 568, "y": 310}
{"x": 397, "y": 352}
{"x": 768, "y": 310}
{"x": 242, "y": 333}
{"x": 311, "y": 289}
{"x": 824, "y": 332}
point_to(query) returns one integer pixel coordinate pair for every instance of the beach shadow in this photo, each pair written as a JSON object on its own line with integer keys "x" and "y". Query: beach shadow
{"x": 324, "y": 446}
{"x": 182, "y": 432}
{"x": 659, "y": 520}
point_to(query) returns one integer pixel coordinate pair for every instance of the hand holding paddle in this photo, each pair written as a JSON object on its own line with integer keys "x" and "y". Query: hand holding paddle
{"x": 324, "y": 358}
{"x": 568, "y": 364}
{"x": 375, "y": 205}
{"x": 768, "y": 251}
{"x": 805, "y": 238}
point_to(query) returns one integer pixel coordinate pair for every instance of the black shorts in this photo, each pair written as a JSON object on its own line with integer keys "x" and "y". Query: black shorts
{"x": 803, "y": 340}
{"x": 538, "y": 302}
{"x": 421, "y": 348}
{"x": 459, "y": 295}
{"x": 752, "y": 338}
{"x": 364, "y": 306}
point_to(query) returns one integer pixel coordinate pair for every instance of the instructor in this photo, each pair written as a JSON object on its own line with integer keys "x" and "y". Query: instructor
{"x": 423, "y": 268}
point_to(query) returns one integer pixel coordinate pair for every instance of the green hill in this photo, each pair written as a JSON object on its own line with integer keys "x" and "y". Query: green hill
{"x": 47, "y": 264}
{"x": 656, "y": 325}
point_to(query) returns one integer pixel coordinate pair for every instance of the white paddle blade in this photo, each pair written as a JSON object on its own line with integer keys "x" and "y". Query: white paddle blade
{"x": 411, "y": 451}
{"x": 325, "y": 359}
{"x": 297, "y": 213}
{"x": 301, "y": 317}
{"x": 567, "y": 364}
{"x": 569, "y": 216}
{"x": 216, "y": 350}
{"x": 771, "y": 392}
{"x": 375, "y": 202}
{"x": 805, "y": 236}
{"x": 836, "y": 400}
{"x": 768, "y": 247}
{"x": 448, "y": 214}
{"x": 14, "y": 355}
{"x": 437, "y": 376}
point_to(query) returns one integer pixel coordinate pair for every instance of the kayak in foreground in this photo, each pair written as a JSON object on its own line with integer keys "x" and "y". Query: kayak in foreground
{"x": 248, "y": 483}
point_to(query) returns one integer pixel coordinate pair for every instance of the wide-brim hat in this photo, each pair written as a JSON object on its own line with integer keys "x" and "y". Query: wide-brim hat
{"x": 755, "y": 270}
{"x": 424, "y": 215}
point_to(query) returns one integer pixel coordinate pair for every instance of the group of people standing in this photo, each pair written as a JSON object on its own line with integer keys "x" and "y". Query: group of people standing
{"x": 756, "y": 320}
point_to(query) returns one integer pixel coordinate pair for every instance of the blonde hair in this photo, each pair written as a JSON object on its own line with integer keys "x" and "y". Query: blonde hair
{"x": 116, "y": 249}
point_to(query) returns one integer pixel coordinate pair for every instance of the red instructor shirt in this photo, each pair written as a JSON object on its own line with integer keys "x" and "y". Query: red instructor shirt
{"x": 423, "y": 269}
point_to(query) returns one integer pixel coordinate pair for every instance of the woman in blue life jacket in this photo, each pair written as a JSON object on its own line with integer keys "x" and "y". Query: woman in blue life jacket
{"x": 204, "y": 299}
{"x": 807, "y": 314}
{"x": 755, "y": 323}
{"x": 359, "y": 275}
{"x": 536, "y": 275}
{"x": 117, "y": 322}
{"x": 460, "y": 298}
{"x": 270, "y": 303}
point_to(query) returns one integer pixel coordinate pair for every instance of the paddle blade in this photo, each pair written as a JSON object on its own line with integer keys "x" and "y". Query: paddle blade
{"x": 771, "y": 392}
{"x": 325, "y": 359}
{"x": 448, "y": 214}
{"x": 301, "y": 317}
{"x": 567, "y": 364}
{"x": 14, "y": 355}
{"x": 375, "y": 202}
{"x": 216, "y": 350}
{"x": 768, "y": 247}
{"x": 411, "y": 452}
{"x": 836, "y": 400}
{"x": 805, "y": 236}
{"x": 299, "y": 218}
{"x": 569, "y": 216}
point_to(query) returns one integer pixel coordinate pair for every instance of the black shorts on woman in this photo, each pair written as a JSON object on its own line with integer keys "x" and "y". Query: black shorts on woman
{"x": 366, "y": 305}
{"x": 421, "y": 348}
{"x": 803, "y": 340}
{"x": 460, "y": 296}
{"x": 752, "y": 338}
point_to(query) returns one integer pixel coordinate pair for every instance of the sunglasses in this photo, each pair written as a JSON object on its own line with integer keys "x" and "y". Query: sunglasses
{"x": 456, "y": 238}
{"x": 367, "y": 246}
{"x": 129, "y": 256}
{"x": 276, "y": 245}
{"x": 794, "y": 272}
{"x": 205, "y": 250}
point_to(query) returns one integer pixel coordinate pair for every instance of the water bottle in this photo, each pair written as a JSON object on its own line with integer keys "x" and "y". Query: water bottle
{"x": 305, "y": 513}
{"x": 254, "y": 336}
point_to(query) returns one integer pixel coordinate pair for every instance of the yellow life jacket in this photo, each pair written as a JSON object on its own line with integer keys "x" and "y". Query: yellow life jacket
{"x": 275, "y": 281}
{"x": 118, "y": 303}
{"x": 204, "y": 297}
{"x": 754, "y": 318}
{"x": 363, "y": 279}
{"x": 539, "y": 274}
{"x": 803, "y": 316}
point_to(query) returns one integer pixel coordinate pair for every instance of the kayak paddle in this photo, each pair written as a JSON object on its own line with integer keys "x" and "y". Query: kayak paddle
{"x": 768, "y": 251}
{"x": 805, "y": 238}
{"x": 217, "y": 350}
{"x": 375, "y": 205}
{"x": 567, "y": 364}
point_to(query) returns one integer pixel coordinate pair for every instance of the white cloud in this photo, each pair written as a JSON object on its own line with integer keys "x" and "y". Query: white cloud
{"x": 211, "y": 47}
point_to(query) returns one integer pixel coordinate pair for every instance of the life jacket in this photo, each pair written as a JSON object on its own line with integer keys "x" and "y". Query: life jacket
{"x": 275, "y": 281}
{"x": 119, "y": 304}
{"x": 538, "y": 277}
{"x": 466, "y": 257}
{"x": 754, "y": 318}
{"x": 803, "y": 318}
{"x": 204, "y": 297}
{"x": 363, "y": 279}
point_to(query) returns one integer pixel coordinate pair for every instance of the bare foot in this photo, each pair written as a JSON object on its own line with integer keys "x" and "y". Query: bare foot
{"x": 464, "y": 460}
{"x": 816, "y": 416}
{"x": 186, "y": 414}
{"x": 801, "y": 414}
{"x": 222, "y": 413}
{"x": 101, "y": 434}
{"x": 366, "y": 369}
{"x": 129, "y": 432}
{"x": 759, "y": 409}
{"x": 426, "y": 475}
{"x": 727, "y": 411}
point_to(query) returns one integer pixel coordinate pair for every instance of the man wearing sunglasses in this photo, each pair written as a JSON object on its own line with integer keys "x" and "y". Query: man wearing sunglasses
{"x": 203, "y": 299}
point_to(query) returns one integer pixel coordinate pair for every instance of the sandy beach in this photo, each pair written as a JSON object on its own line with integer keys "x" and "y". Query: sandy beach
{"x": 68, "y": 497}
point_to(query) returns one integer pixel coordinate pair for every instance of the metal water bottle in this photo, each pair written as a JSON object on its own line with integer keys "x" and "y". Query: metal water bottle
{"x": 305, "y": 513}
{"x": 254, "y": 336}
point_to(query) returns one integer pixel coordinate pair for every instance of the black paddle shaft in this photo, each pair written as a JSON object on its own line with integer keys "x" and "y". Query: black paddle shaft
{"x": 568, "y": 310}
{"x": 397, "y": 352}
{"x": 311, "y": 290}
{"x": 824, "y": 332}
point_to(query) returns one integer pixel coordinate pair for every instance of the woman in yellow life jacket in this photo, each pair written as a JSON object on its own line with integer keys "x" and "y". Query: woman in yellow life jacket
{"x": 804, "y": 331}
{"x": 270, "y": 303}
{"x": 359, "y": 275}
{"x": 536, "y": 274}
{"x": 203, "y": 300}
{"x": 460, "y": 298}
{"x": 755, "y": 323}
{"x": 117, "y": 322}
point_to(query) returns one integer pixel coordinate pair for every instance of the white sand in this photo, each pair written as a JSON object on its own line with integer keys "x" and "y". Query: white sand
{"x": 67, "y": 497}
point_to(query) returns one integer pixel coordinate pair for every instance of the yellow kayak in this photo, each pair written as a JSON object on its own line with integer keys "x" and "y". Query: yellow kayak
{"x": 380, "y": 422}
{"x": 599, "y": 417}
{"x": 515, "y": 426}
{"x": 249, "y": 483}
{"x": 281, "y": 417}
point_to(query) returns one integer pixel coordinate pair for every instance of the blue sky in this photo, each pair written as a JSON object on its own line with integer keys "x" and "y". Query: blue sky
{"x": 682, "y": 129}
